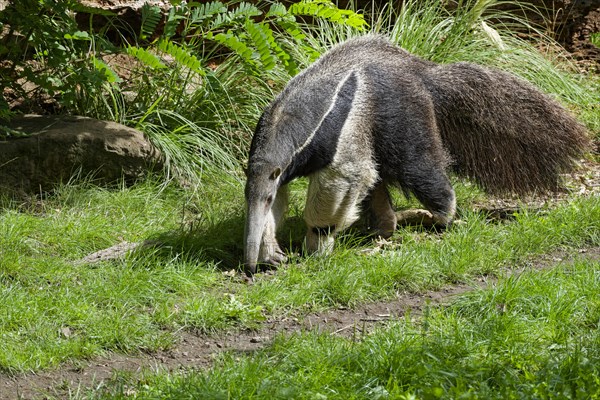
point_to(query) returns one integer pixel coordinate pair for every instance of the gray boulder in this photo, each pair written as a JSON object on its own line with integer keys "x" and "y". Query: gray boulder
{"x": 43, "y": 151}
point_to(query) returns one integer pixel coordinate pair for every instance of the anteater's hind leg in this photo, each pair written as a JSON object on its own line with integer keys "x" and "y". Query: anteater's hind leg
{"x": 428, "y": 181}
{"x": 409, "y": 148}
{"x": 380, "y": 216}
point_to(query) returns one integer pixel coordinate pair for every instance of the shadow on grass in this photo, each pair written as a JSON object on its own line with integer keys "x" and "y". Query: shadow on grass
{"x": 220, "y": 243}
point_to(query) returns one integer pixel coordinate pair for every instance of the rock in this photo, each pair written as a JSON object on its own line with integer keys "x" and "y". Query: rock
{"x": 117, "y": 251}
{"x": 53, "y": 149}
{"x": 122, "y": 4}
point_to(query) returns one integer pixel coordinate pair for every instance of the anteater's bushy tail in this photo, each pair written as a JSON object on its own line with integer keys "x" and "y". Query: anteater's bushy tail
{"x": 503, "y": 132}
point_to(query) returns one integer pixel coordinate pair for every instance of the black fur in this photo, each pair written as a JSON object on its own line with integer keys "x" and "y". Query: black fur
{"x": 319, "y": 152}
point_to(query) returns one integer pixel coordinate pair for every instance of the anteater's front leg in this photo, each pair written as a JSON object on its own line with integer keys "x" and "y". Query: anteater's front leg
{"x": 332, "y": 204}
{"x": 270, "y": 252}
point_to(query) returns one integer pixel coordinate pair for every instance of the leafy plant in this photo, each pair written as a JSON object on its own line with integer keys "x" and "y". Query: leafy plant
{"x": 216, "y": 64}
{"x": 595, "y": 39}
{"x": 252, "y": 34}
{"x": 197, "y": 112}
{"x": 49, "y": 61}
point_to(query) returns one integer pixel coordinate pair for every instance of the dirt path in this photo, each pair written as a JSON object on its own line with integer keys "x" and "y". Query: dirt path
{"x": 200, "y": 350}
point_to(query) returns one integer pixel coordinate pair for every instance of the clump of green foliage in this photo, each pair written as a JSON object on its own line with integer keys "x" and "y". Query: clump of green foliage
{"x": 595, "y": 39}
{"x": 46, "y": 55}
{"x": 53, "y": 54}
{"x": 180, "y": 88}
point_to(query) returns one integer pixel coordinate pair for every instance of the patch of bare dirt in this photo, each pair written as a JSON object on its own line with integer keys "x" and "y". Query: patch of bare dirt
{"x": 199, "y": 350}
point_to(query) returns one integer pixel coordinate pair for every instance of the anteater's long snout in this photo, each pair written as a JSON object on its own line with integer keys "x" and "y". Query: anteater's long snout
{"x": 253, "y": 233}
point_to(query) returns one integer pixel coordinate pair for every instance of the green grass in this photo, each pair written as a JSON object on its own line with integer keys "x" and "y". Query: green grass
{"x": 534, "y": 335}
{"x": 139, "y": 302}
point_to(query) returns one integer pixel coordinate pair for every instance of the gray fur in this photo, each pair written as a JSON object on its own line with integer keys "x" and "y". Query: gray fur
{"x": 368, "y": 115}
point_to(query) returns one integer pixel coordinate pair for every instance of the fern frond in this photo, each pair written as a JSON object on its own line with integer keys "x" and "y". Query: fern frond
{"x": 174, "y": 17}
{"x": 182, "y": 56}
{"x": 281, "y": 17}
{"x": 110, "y": 75}
{"x": 276, "y": 10}
{"x": 219, "y": 20}
{"x": 240, "y": 14}
{"x": 151, "y": 17}
{"x": 327, "y": 10}
{"x": 201, "y": 12}
{"x": 234, "y": 43}
{"x": 245, "y": 10}
{"x": 147, "y": 58}
{"x": 292, "y": 28}
{"x": 261, "y": 44}
{"x": 284, "y": 57}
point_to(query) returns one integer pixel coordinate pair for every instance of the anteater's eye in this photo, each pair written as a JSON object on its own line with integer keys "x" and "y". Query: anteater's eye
{"x": 270, "y": 199}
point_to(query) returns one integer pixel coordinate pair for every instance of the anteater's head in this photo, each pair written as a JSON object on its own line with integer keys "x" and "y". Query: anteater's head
{"x": 263, "y": 180}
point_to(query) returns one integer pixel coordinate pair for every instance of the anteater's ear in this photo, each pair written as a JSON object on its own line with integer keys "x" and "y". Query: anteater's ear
{"x": 275, "y": 174}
